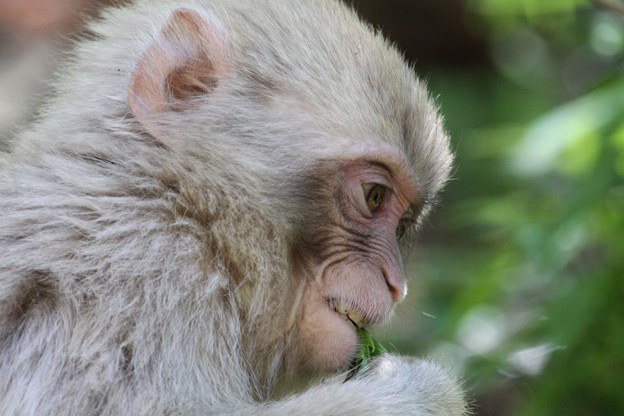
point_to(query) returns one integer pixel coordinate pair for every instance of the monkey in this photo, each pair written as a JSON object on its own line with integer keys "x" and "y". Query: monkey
{"x": 213, "y": 201}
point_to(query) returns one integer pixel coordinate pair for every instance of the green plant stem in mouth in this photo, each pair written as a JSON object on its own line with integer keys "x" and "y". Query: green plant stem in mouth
{"x": 369, "y": 348}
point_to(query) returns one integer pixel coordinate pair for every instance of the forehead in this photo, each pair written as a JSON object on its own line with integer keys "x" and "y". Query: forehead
{"x": 407, "y": 136}
{"x": 347, "y": 85}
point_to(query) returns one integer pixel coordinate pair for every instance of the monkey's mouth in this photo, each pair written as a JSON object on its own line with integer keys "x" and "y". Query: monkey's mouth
{"x": 348, "y": 311}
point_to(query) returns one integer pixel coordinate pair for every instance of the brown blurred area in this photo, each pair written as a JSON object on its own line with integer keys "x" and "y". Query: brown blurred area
{"x": 33, "y": 36}
{"x": 40, "y": 17}
{"x": 429, "y": 32}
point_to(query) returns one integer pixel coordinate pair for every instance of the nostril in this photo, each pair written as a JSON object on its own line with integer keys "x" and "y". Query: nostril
{"x": 396, "y": 285}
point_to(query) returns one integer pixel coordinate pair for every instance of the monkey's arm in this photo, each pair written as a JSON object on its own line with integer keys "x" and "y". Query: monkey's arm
{"x": 393, "y": 385}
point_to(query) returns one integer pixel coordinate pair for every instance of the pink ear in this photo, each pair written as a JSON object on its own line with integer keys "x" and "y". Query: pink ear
{"x": 183, "y": 63}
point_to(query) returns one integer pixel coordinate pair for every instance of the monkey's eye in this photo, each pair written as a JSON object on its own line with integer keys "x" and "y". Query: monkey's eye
{"x": 374, "y": 194}
{"x": 404, "y": 224}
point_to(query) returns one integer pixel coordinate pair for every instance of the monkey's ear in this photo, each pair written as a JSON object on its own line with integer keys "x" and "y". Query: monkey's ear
{"x": 183, "y": 64}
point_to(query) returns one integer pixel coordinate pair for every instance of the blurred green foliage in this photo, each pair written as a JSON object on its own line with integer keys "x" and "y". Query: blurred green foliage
{"x": 520, "y": 275}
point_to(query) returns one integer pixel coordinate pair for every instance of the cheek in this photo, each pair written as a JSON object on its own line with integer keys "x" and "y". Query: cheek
{"x": 327, "y": 341}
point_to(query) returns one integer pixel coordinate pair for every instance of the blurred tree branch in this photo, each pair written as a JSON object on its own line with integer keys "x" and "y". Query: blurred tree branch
{"x": 615, "y": 6}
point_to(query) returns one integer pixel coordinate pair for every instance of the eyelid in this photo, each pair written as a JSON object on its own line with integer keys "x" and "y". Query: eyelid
{"x": 368, "y": 186}
{"x": 380, "y": 177}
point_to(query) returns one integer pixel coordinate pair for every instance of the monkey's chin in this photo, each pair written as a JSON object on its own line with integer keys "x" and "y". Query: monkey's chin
{"x": 330, "y": 338}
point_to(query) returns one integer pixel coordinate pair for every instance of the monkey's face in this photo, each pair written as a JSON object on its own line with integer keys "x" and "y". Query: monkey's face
{"x": 345, "y": 201}
{"x": 359, "y": 213}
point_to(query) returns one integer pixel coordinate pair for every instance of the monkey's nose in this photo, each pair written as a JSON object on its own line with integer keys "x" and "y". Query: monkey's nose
{"x": 396, "y": 283}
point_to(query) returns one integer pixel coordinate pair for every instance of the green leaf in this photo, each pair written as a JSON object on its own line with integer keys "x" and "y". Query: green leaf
{"x": 369, "y": 348}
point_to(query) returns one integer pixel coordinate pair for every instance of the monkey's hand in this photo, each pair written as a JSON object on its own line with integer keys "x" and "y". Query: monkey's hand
{"x": 392, "y": 385}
